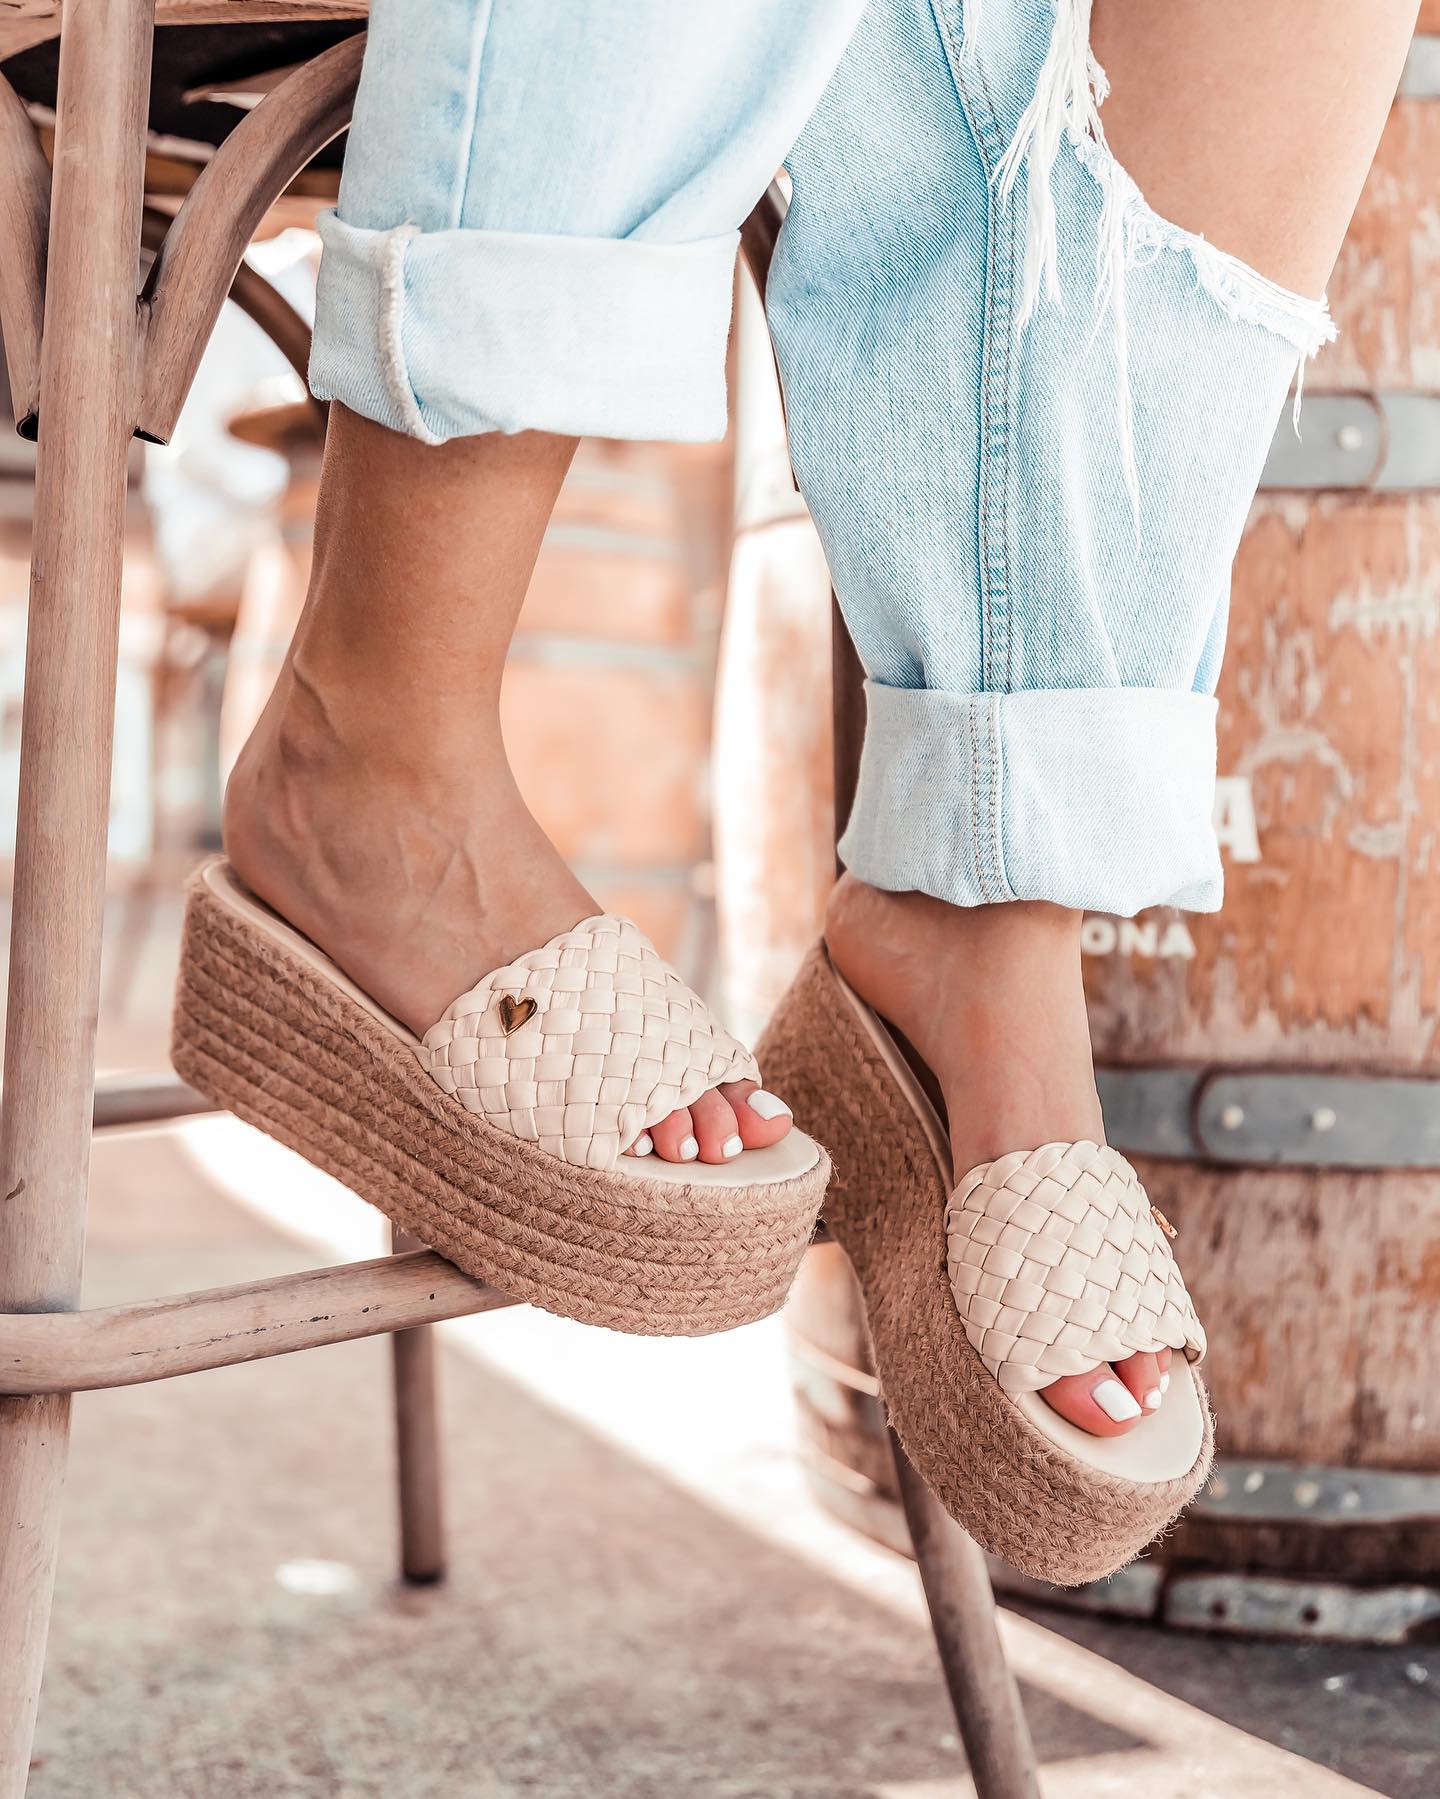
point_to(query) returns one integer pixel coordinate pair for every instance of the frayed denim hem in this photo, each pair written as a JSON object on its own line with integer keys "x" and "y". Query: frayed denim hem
{"x": 1100, "y": 799}
{"x": 443, "y": 334}
{"x": 1070, "y": 93}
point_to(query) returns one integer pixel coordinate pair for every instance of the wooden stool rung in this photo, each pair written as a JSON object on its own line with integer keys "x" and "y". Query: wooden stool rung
{"x": 183, "y": 1333}
{"x": 146, "y": 1099}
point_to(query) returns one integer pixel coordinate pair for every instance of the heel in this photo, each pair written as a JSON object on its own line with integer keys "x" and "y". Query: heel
{"x": 802, "y": 1053}
{"x": 847, "y": 1093}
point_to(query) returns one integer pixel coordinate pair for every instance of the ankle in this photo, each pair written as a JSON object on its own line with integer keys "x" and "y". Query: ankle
{"x": 414, "y": 883}
{"x": 333, "y": 717}
{"x": 990, "y": 999}
{"x": 329, "y": 754}
{"x": 867, "y": 924}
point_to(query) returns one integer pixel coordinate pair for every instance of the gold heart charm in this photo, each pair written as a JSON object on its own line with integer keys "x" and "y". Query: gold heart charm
{"x": 515, "y": 1012}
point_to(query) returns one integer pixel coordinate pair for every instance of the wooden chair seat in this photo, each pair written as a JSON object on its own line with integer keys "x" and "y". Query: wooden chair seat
{"x": 25, "y": 23}
{"x": 192, "y": 64}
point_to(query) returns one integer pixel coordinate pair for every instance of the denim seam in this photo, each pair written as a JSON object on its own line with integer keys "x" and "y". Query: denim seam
{"x": 992, "y": 875}
{"x": 997, "y": 386}
{"x": 392, "y": 325}
{"x": 997, "y": 807}
{"x": 975, "y": 800}
{"x": 997, "y": 615}
{"x": 999, "y": 465}
{"x": 982, "y": 761}
{"x": 466, "y": 148}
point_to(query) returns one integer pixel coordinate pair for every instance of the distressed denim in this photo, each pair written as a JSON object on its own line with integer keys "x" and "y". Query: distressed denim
{"x": 1028, "y": 415}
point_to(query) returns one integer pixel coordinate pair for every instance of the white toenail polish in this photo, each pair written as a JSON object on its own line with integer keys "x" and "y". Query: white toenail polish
{"x": 642, "y": 1145}
{"x": 768, "y": 1105}
{"x": 1152, "y": 1399}
{"x": 1116, "y": 1401}
{"x": 731, "y": 1146}
{"x": 1164, "y": 1383}
{"x": 689, "y": 1149}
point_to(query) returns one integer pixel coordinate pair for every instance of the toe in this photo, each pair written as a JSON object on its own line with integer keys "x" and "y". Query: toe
{"x": 674, "y": 1137}
{"x": 762, "y": 1118}
{"x": 716, "y": 1127}
{"x": 1141, "y": 1374}
{"x": 1095, "y": 1402}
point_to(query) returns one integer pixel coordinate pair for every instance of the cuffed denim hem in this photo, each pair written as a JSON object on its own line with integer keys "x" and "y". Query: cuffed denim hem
{"x": 1098, "y": 799}
{"x": 442, "y": 334}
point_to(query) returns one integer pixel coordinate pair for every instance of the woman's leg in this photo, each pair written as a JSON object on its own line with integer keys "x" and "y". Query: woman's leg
{"x": 1255, "y": 125}
{"x": 536, "y": 228}
{"x": 1029, "y": 418}
{"x": 377, "y": 770}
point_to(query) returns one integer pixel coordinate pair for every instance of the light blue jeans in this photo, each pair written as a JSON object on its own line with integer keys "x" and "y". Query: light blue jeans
{"x": 1027, "y": 414}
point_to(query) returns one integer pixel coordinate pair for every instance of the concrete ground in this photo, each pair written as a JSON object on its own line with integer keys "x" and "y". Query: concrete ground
{"x": 644, "y": 1602}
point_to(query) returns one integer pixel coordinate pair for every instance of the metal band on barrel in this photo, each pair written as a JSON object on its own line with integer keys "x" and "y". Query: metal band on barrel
{"x": 1273, "y": 1118}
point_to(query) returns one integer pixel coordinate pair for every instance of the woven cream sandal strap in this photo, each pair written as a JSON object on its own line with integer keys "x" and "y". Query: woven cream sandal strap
{"x": 1058, "y": 1264}
{"x": 583, "y": 1044}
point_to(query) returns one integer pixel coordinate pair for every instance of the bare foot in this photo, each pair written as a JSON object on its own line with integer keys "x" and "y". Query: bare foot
{"x": 418, "y": 873}
{"x": 991, "y": 1001}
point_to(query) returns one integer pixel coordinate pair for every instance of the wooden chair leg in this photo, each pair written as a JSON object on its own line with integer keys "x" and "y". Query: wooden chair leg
{"x": 86, "y": 415}
{"x": 962, "y": 1614}
{"x": 952, "y": 1569}
{"x": 417, "y": 1446}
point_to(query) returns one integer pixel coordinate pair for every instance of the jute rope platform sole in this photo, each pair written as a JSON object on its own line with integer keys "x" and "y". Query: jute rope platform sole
{"x": 1057, "y": 1504}
{"x": 262, "y": 1028}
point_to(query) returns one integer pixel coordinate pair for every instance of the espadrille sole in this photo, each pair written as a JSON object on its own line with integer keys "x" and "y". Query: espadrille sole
{"x": 1026, "y": 1485}
{"x": 267, "y": 1028}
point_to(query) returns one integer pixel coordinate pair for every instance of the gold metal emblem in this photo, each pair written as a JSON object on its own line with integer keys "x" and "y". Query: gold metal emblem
{"x": 515, "y": 1012}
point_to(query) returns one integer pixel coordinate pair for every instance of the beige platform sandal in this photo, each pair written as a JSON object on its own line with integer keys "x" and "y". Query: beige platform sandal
{"x": 497, "y": 1138}
{"x": 1036, "y": 1265}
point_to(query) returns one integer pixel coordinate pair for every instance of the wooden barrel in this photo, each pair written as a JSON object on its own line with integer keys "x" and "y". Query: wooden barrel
{"x": 1274, "y": 1070}
{"x": 1276, "y": 1067}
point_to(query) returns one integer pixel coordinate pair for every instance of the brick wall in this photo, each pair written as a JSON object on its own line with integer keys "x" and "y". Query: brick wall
{"x": 607, "y": 698}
